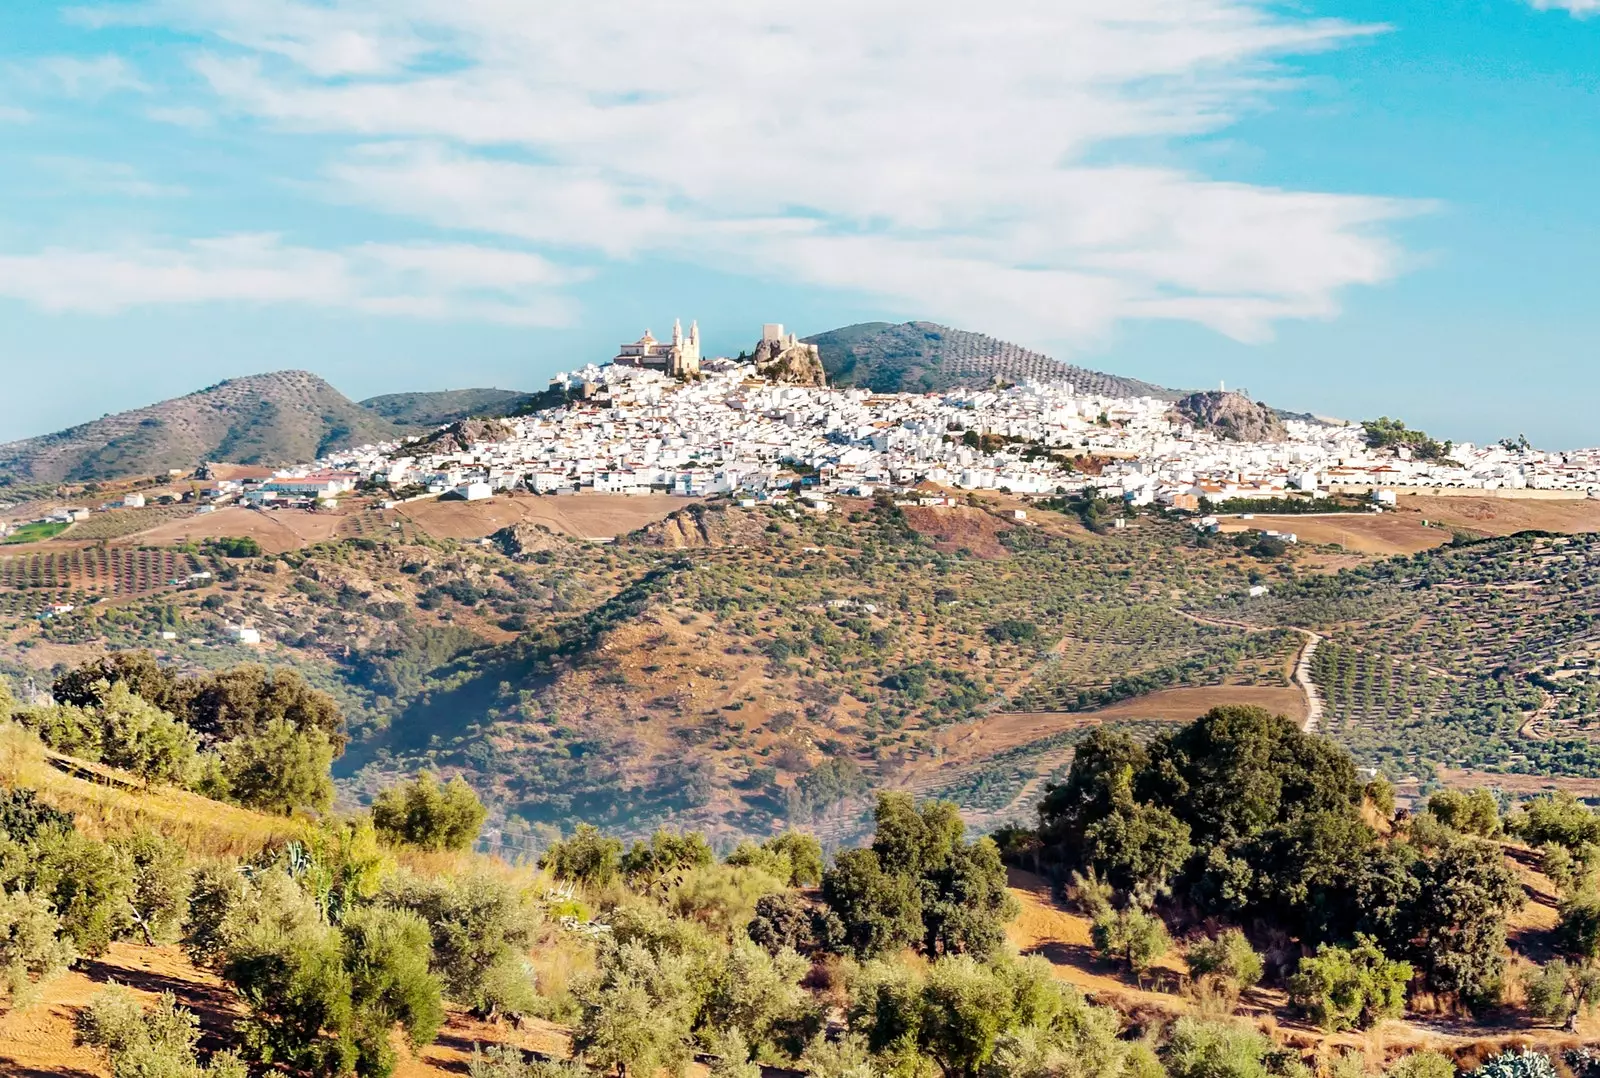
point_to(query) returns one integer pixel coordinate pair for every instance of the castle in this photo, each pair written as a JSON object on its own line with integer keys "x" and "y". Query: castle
{"x": 679, "y": 358}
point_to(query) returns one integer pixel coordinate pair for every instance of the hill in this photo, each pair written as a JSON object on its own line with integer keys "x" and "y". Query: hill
{"x": 429, "y": 410}
{"x": 279, "y": 418}
{"x": 921, "y": 357}
{"x": 1232, "y": 415}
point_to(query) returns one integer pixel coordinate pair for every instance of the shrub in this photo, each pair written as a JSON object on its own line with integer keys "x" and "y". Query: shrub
{"x": 386, "y": 952}
{"x": 635, "y": 1012}
{"x": 1557, "y": 992}
{"x": 87, "y": 882}
{"x": 161, "y": 885}
{"x": 505, "y": 1061}
{"x": 424, "y": 814}
{"x": 1422, "y": 1065}
{"x": 157, "y": 1044}
{"x": 1350, "y": 987}
{"x": 480, "y": 928}
{"x": 1200, "y": 1049}
{"x": 588, "y": 858}
{"x": 33, "y": 949}
{"x": 1228, "y": 958}
{"x": 1578, "y": 930}
{"x": 1131, "y": 936}
{"x": 722, "y": 897}
{"x": 1475, "y": 813}
{"x": 216, "y": 889}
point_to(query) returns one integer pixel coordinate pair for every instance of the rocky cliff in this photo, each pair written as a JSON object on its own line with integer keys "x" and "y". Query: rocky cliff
{"x": 791, "y": 362}
{"x": 1233, "y": 416}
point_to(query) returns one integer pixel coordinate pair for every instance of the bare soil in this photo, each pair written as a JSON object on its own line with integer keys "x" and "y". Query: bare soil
{"x": 1364, "y": 533}
{"x": 277, "y": 530}
{"x": 1506, "y": 516}
{"x": 582, "y": 516}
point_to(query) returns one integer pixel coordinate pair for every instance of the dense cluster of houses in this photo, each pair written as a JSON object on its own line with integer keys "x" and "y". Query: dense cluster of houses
{"x": 632, "y": 430}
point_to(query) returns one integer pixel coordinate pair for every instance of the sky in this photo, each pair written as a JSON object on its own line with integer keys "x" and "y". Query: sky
{"x": 1352, "y": 208}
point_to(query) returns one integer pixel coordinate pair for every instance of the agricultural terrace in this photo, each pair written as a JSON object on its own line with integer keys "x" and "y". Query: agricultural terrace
{"x": 1478, "y": 655}
{"x": 30, "y": 583}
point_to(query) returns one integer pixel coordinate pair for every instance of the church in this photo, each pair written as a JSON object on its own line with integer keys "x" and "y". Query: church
{"x": 678, "y": 358}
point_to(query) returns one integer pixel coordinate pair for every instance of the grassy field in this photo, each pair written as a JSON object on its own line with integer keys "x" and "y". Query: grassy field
{"x": 37, "y": 532}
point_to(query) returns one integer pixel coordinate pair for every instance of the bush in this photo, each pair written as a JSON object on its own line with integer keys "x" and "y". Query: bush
{"x": 1350, "y": 987}
{"x": 424, "y": 814}
{"x": 1525, "y": 1063}
{"x": 505, "y": 1061}
{"x": 161, "y": 884}
{"x": 1228, "y": 958}
{"x": 480, "y": 929}
{"x": 1475, "y": 813}
{"x": 1557, "y": 992}
{"x": 1422, "y": 1065}
{"x": 33, "y": 949}
{"x": 386, "y": 952}
{"x": 588, "y": 858}
{"x": 1200, "y": 1049}
{"x": 1131, "y": 936}
{"x": 158, "y": 1044}
{"x": 87, "y": 882}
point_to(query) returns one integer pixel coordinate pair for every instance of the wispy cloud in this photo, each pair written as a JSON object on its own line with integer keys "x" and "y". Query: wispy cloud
{"x": 953, "y": 160}
{"x": 107, "y": 177}
{"x": 79, "y": 77}
{"x": 1580, "y": 8}
{"x": 431, "y": 281}
{"x": 14, "y": 114}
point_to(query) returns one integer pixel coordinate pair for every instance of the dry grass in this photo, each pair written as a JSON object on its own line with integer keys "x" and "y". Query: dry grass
{"x": 105, "y": 802}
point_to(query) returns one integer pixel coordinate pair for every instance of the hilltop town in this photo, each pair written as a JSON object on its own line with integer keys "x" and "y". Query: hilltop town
{"x": 659, "y": 418}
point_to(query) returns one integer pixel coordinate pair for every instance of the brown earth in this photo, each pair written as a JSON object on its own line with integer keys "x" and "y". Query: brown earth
{"x": 38, "y": 1041}
{"x": 277, "y": 530}
{"x": 582, "y": 516}
{"x": 1365, "y": 533}
{"x": 1506, "y": 516}
{"x": 959, "y": 527}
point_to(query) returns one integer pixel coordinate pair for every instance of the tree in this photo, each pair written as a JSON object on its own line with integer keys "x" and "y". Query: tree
{"x": 635, "y": 1012}
{"x": 1137, "y": 847}
{"x": 783, "y": 921}
{"x": 588, "y": 859}
{"x": 1099, "y": 763}
{"x": 1465, "y": 893}
{"x": 876, "y": 911}
{"x": 1558, "y": 818}
{"x": 661, "y": 863}
{"x": 758, "y": 996}
{"x": 87, "y": 882}
{"x": 1559, "y": 991}
{"x": 33, "y": 948}
{"x": 965, "y": 1007}
{"x": 161, "y": 884}
{"x": 481, "y": 929}
{"x": 280, "y": 768}
{"x": 1578, "y": 930}
{"x": 805, "y": 857}
{"x": 386, "y": 953}
{"x": 1350, "y": 987}
{"x": 139, "y": 737}
{"x": 155, "y": 1044}
{"x": 288, "y": 966}
{"x": 1474, "y": 813}
{"x": 966, "y": 903}
{"x": 424, "y": 814}
{"x": 1131, "y": 936}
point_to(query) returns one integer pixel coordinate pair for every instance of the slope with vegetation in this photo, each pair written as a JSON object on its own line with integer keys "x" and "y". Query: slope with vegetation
{"x": 922, "y": 357}
{"x": 285, "y": 417}
{"x": 346, "y": 946}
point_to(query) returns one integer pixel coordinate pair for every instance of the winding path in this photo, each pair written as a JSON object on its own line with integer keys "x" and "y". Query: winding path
{"x": 1302, "y": 665}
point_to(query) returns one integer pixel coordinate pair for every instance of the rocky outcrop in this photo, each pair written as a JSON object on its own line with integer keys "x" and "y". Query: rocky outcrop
{"x": 702, "y": 526}
{"x": 1233, "y": 416}
{"x": 464, "y": 435}
{"x": 521, "y": 540}
{"x": 790, "y": 362}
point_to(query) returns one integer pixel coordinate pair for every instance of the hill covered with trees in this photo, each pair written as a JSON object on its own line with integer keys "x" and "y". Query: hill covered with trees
{"x": 922, "y": 357}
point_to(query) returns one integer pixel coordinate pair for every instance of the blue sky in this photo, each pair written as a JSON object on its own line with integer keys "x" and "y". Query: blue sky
{"x": 1353, "y": 208}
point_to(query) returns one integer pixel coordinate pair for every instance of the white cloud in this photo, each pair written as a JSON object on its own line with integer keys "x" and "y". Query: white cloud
{"x": 432, "y": 281}
{"x": 957, "y": 161}
{"x": 1580, "y": 8}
